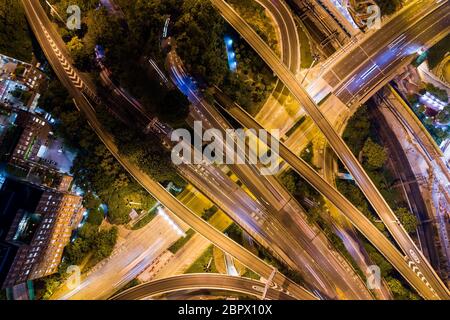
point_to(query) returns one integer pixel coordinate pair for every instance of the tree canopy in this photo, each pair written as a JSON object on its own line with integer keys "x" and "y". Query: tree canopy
{"x": 374, "y": 154}
{"x": 407, "y": 219}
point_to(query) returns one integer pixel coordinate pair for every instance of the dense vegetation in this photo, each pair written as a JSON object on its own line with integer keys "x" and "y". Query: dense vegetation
{"x": 93, "y": 242}
{"x": 255, "y": 15}
{"x": 96, "y": 170}
{"x": 127, "y": 43}
{"x": 389, "y": 7}
{"x": 360, "y": 135}
{"x": 198, "y": 32}
{"x": 15, "y": 36}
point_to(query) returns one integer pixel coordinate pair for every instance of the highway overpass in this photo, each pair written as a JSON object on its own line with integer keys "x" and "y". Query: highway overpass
{"x": 437, "y": 287}
{"x": 201, "y": 281}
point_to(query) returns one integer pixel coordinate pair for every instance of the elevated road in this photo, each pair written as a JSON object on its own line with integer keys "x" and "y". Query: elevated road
{"x": 58, "y": 59}
{"x": 367, "y": 63}
{"x": 242, "y": 208}
{"x": 290, "y": 54}
{"x": 194, "y": 281}
{"x": 360, "y": 71}
{"x": 405, "y": 266}
{"x": 284, "y": 228}
{"x": 437, "y": 288}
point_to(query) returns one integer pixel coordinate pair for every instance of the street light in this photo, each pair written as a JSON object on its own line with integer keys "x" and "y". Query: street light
{"x": 316, "y": 58}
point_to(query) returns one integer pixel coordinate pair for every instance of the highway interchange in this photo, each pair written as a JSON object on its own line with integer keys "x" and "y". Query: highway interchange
{"x": 432, "y": 284}
{"x": 37, "y": 18}
{"x": 49, "y": 40}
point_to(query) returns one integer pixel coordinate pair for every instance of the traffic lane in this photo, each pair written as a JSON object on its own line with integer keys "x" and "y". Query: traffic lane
{"x": 377, "y": 201}
{"x": 409, "y": 248}
{"x": 390, "y": 56}
{"x": 377, "y": 42}
{"x": 323, "y": 257}
{"x": 402, "y": 23}
{"x": 201, "y": 281}
{"x": 313, "y": 275}
{"x": 288, "y": 30}
{"x": 42, "y": 18}
{"x": 404, "y": 171}
{"x": 106, "y": 280}
{"x": 341, "y": 70}
{"x": 294, "y": 219}
{"x": 356, "y": 217}
{"x": 339, "y": 271}
{"x": 384, "y": 64}
{"x": 271, "y": 231}
{"x": 152, "y": 187}
{"x": 335, "y": 141}
{"x": 277, "y": 17}
{"x": 374, "y": 43}
{"x": 331, "y": 264}
{"x": 290, "y": 46}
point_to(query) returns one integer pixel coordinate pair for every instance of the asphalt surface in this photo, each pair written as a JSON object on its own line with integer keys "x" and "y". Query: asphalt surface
{"x": 417, "y": 260}
{"x": 201, "y": 281}
{"x": 283, "y": 228}
{"x": 338, "y": 200}
{"x": 364, "y": 68}
{"x": 58, "y": 58}
{"x": 290, "y": 55}
{"x": 407, "y": 179}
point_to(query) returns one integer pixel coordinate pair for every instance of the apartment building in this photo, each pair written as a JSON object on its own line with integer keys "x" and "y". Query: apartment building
{"x": 40, "y": 233}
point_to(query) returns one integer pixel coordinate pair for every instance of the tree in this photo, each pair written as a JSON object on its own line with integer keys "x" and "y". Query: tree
{"x": 357, "y": 130}
{"x": 76, "y": 251}
{"x": 374, "y": 154}
{"x": 19, "y": 70}
{"x": 439, "y": 93}
{"x": 397, "y": 289}
{"x": 377, "y": 259}
{"x": 407, "y": 219}
{"x": 421, "y": 109}
{"x": 104, "y": 243}
{"x": 208, "y": 213}
{"x": 315, "y": 214}
{"x": 200, "y": 43}
{"x": 174, "y": 109}
{"x": 289, "y": 181}
{"x": 389, "y": 7}
{"x": 88, "y": 232}
{"x": 78, "y": 52}
{"x": 96, "y": 216}
{"x": 444, "y": 116}
{"x": 308, "y": 153}
{"x": 15, "y": 40}
{"x": 75, "y": 45}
